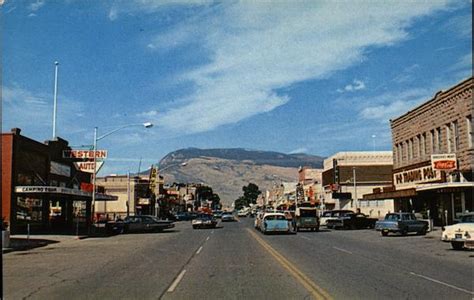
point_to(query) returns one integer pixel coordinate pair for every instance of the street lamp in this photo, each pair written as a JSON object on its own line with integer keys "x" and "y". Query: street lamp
{"x": 96, "y": 138}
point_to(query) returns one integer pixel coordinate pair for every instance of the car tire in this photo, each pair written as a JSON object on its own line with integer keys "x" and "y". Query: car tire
{"x": 457, "y": 245}
{"x": 384, "y": 233}
{"x": 404, "y": 231}
{"x": 423, "y": 231}
{"x": 195, "y": 227}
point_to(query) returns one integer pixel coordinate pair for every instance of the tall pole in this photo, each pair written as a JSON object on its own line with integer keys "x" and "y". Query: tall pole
{"x": 355, "y": 184}
{"x": 373, "y": 142}
{"x": 94, "y": 172}
{"x": 55, "y": 101}
{"x": 128, "y": 193}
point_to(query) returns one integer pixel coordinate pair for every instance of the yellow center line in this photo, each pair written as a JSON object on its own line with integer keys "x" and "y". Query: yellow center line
{"x": 316, "y": 291}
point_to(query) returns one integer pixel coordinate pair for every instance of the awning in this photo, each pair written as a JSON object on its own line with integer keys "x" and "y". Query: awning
{"x": 391, "y": 195}
{"x": 56, "y": 190}
{"x": 445, "y": 185}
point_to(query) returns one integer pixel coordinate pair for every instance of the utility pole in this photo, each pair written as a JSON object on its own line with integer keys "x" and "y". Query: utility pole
{"x": 55, "y": 100}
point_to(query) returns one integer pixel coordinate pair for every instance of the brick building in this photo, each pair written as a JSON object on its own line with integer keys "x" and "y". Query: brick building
{"x": 347, "y": 176}
{"x": 40, "y": 188}
{"x": 434, "y": 156}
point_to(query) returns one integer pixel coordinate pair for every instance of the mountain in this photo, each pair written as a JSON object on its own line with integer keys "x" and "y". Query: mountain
{"x": 228, "y": 170}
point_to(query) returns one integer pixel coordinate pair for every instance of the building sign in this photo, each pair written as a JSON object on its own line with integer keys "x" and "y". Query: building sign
{"x": 412, "y": 178}
{"x": 51, "y": 190}
{"x": 153, "y": 178}
{"x": 88, "y": 166}
{"x": 444, "y": 162}
{"x": 60, "y": 169}
{"x": 84, "y": 154}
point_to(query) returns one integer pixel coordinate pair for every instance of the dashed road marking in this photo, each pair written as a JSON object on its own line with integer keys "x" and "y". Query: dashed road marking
{"x": 176, "y": 281}
{"x": 199, "y": 250}
{"x": 316, "y": 291}
{"x": 343, "y": 250}
{"x": 207, "y": 239}
{"x": 443, "y": 283}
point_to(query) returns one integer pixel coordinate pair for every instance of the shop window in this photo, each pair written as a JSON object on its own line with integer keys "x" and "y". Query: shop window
{"x": 469, "y": 131}
{"x": 455, "y": 128}
{"x": 433, "y": 141}
{"x": 29, "y": 210}
{"x": 24, "y": 179}
{"x": 448, "y": 138}
{"x": 424, "y": 146}
{"x": 438, "y": 139}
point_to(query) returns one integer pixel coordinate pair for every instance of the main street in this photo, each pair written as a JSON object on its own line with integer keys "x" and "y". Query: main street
{"x": 234, "y": 261}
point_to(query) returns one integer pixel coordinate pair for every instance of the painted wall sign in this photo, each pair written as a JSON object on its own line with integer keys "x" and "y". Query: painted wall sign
{"x": 84, "y": 154}
{"x": 444, "y": 162}
{"x": 412, "y": 178}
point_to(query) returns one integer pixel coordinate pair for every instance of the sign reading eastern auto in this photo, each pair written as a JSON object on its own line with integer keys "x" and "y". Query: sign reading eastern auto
{"x": 411, "y": 178}
{"x": 444, "y": 162}
{"x": 84, "y": 154}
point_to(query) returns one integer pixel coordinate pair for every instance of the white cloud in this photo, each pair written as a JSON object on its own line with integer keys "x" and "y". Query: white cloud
{"x": 21, "y": 106}
{"x": 391, "y": 105}
{"x": 355, "y": 86}
{"x": 35, "y": 6}
{"x": 149, "y": 6}
{"x": 407, "y": 74}
{"x": 257, "y": 48}
{"x": 299, "y": 150}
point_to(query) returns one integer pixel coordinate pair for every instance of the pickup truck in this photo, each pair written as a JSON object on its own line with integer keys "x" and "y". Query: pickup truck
{"x": 402, "y": 223}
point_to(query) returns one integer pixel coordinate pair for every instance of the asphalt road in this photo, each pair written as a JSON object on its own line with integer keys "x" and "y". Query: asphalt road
{"x": 235, "y": 261}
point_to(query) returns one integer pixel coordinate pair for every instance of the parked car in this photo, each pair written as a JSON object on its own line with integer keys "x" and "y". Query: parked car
{"x": 307, "y": 218}
{"x": 217, "y": 214}
{"x": 460, "y": 235}
{"x": 351, "y": 221}
{"x": 242, "y": 213}
{"x": 275, "y": 222}
{"x": 227, "y": 217}
{"x": 332, "y": 214}
{"x": 402, "y": 223}
{"x": 204, "y": 221}
{"x": 142, "y": 223}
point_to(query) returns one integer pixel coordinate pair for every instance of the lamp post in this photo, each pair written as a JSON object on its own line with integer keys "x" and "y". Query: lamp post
{"x": 355, "y": 185}
{"x": 96, "y": 138}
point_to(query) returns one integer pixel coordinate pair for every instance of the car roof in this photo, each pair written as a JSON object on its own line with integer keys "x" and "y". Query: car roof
{"x": 274, "y": 214}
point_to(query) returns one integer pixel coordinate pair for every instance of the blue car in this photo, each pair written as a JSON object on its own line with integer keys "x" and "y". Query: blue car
{"x": 276, "y": 222}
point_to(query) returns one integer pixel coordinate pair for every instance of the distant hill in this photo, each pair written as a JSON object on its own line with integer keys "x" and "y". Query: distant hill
{"x": 227, "y": 170}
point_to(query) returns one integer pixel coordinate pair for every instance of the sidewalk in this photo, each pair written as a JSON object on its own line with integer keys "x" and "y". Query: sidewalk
{"x": 21, "y": 242}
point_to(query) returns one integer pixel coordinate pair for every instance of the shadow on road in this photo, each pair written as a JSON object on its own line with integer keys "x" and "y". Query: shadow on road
{"x": 23, "y": 244}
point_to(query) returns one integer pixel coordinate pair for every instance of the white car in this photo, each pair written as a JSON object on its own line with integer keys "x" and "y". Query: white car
{"x": 332, "y": 215}
{"x": 460, "y": 235}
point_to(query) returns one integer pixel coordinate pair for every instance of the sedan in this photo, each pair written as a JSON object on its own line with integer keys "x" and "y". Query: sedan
{"x": 143, "y": 223}
{"x": 460, "y": 235}
{"x": 275, "y": 222}
{"x": 227, "y": 217}
{"x": 204, "y": 221}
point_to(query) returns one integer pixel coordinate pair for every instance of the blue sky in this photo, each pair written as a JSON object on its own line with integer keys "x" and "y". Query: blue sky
{"x": 293, "y": 76}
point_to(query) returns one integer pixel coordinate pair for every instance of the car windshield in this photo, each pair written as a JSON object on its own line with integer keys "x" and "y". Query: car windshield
{"x": 275, "y": 218}
{"x": 392, "y": 217}
{"x": 467, "y": 219}
{"x": 308, "y": 213}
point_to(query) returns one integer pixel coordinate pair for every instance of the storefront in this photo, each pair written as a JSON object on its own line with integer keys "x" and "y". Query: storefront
{"x": 41, "y": 190}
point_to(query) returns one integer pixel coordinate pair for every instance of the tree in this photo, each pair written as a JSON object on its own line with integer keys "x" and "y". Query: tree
{"x": 250, "y": 196}
{"x": 251, "y": 193}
